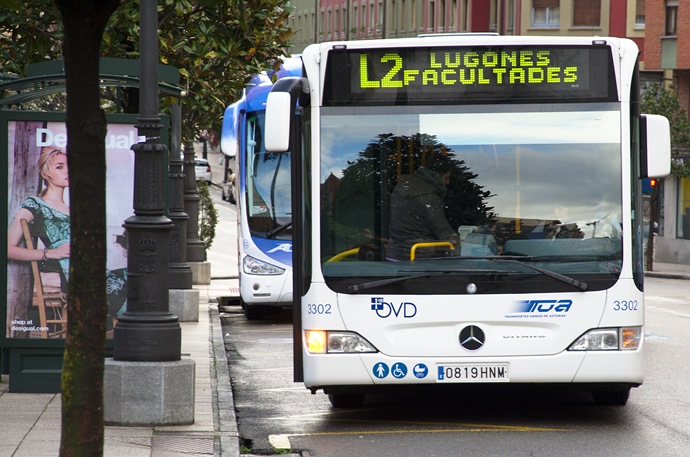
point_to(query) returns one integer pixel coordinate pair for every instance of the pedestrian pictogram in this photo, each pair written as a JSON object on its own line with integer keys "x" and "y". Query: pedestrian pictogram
{"x": 380, "y": 370}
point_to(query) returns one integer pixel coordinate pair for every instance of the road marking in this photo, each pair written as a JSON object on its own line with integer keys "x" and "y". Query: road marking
{"x": 656, "y": 336}
{"x": 668, "y": 311}
{"x": 261, "y": 330}
{"x": 284, "y": 389}
{"x": 283, "y": 441}
{"x": 274, "y": 369}
{"x": 280, "y": 441}
{"x": 666, "y": 299}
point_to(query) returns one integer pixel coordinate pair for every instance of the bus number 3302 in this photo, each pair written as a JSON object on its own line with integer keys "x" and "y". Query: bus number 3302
{"x": 625, "y": 305}
{"x": 319, "y": 309}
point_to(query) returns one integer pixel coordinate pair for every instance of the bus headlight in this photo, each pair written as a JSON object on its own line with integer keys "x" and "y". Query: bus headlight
{"x": 254, "y": 266}
{"x": 322, "y": 342}
{"x": 608, "y": 339}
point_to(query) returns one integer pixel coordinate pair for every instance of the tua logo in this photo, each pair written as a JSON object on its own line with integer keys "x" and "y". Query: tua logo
{"x": 543, "y": 306}
{"x": 384, "y": 310}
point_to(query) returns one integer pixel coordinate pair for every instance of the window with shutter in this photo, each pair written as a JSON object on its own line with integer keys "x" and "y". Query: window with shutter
{"x": 586, "y": 13}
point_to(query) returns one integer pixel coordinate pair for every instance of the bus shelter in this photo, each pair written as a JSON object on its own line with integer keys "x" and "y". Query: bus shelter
{"x": 35, "y": 310}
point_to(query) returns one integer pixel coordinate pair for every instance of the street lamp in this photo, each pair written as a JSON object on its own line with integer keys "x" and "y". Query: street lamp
{"x": 146, "y": 382}
{"x": 147, "y": 331}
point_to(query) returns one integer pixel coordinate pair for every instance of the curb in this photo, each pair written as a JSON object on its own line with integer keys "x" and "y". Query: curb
{"x": 657, "y": 274}
{"x": 227, "y": 443}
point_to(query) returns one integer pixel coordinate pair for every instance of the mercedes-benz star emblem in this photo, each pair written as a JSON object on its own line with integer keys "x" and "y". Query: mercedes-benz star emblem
{"x": 472, "y": 338}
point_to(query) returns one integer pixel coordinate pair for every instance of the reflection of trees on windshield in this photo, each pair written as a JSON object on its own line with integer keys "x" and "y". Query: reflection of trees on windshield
{"x": 268, "y": 185}
{"x": 277, "y": 158}
{"x": 355, "y": 207}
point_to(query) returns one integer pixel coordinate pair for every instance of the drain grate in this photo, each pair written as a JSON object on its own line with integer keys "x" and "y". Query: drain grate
{"x": 170, "y": 444}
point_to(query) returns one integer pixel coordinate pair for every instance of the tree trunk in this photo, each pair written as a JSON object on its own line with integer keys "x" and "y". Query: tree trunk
{"x": 82, "y": 372}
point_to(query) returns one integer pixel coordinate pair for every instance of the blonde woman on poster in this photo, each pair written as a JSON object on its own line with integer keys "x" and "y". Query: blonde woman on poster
{"x": 48, "y": 216}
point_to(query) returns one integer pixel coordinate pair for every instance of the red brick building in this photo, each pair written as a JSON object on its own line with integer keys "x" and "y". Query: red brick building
{"x": 667, "y": 51}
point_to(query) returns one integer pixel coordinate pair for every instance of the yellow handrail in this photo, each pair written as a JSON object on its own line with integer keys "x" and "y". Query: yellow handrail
{"x": 430, "y": 244}
{"x": 342, "y": 255}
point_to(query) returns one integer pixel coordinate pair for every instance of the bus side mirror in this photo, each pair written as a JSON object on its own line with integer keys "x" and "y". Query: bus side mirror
{"x": 229, "y": 134}
{"x": 278, "y": 114}
{"x": 656, "y": 145}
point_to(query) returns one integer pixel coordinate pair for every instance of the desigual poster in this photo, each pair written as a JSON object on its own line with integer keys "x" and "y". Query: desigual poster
{"x": 38, "y": 233}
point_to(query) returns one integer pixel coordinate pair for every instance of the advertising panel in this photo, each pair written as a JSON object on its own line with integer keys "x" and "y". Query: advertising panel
{"x": 38, "y": 224}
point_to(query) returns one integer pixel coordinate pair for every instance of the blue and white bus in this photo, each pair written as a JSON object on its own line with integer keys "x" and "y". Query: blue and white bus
{"x": 261, "y": 191}
{"x": 540, "y": 280}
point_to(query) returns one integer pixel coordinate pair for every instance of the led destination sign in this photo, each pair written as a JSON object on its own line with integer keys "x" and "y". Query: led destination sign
{"x": 468, "y": 68}
{"x": 457, "y": 75}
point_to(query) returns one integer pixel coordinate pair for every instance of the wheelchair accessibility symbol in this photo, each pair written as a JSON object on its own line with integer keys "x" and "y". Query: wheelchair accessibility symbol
{"x": 399, "y": 370}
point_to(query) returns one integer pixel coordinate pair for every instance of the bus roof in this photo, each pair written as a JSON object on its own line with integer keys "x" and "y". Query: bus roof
{"x": 254, "y": 99}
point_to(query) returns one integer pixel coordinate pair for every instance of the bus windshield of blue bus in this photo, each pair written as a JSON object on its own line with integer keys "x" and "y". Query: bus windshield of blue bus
{"x": 452, "y": 75}
{"x": 448, "y": 188}
{"x": 268, "y": 185}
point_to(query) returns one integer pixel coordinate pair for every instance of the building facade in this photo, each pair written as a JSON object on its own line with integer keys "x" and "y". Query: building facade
{"x": 325, "y": 20}
{"x": 667, "y": 50}
{"x": 652, "y": 24}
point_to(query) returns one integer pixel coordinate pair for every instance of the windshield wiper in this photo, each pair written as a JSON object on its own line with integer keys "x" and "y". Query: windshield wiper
{"x": 277, "y": 230}
{"x": 384, "y": 282}
{"x": 551, "y": 274}
{"x": 508, "y": 259}
{"x": 570, "y": 258}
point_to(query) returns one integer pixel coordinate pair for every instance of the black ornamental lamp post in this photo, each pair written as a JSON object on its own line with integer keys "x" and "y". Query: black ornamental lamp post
{"x": 180, "y": 272}
{"x": 147, "y": 331}
{"x": 196, "y": 252}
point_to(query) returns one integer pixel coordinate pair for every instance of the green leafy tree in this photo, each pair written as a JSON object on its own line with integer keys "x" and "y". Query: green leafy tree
{"x": 664, "y": 101}
{"x": 217, "y": 45}
{"x": 208, "y": 215}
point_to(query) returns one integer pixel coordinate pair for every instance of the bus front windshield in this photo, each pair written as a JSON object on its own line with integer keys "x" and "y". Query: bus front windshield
{"x": 525, "y": 188}
{"x": 268, "y": 185}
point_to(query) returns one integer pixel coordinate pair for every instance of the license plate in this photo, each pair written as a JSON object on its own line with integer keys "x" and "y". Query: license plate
{"x": 473, "y": 372}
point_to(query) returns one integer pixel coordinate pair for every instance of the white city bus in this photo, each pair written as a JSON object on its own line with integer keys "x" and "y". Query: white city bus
{"x": 262, "y": 193}
{"x": 547, "y": 148}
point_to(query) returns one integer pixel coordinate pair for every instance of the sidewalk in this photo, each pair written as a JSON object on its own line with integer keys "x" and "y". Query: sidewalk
{"x": 669, "y": 270}
{"x": 31, "y": 422}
